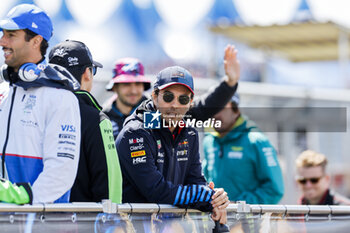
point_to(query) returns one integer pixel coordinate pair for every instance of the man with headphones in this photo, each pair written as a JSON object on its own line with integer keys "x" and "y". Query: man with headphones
{"x": 39, "y": 119}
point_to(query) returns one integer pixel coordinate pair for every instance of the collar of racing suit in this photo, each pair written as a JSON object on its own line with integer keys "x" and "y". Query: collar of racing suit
{"x": 52, "y": 76}
{"x": 88, "y": 99}
{"x": 148, "y": 106}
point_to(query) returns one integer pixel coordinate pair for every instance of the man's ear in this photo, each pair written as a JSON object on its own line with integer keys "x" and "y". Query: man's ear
{"x": 36, "y": 40}
{"x": 155, "y": 98}
{"x": 191, "y": 102}
{"x": 86, "y": 75}
{"x": 328, "y": 178}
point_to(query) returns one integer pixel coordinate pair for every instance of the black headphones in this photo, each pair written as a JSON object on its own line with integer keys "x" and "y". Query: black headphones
{"x": 28, "y": 72}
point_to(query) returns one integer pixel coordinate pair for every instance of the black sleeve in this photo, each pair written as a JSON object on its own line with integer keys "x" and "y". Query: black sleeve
{"x": 207, "y": 105}
{"x": 97, "y": 163}
{"x": 139, "y": 168}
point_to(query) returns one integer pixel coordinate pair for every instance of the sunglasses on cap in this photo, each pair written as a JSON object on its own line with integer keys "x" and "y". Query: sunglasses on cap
{"x": 168, "y": 97}
{"x": 313, "y": 180}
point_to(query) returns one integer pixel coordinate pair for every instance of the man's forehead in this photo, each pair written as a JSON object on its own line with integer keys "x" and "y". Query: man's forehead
{"x": 308, "y": 172}
{"x": 13, "y": 31}
{"x": 178, "y": 88}
{"x": 129, "y": 84}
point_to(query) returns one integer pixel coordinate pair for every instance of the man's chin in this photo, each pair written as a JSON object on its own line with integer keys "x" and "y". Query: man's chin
{"x": 8, "y": 62}
{"x": 222, "y": 130}
{"x": 131, "y": 103}
{"x": 310, "y": 195}
{"x": 133, "y": 100}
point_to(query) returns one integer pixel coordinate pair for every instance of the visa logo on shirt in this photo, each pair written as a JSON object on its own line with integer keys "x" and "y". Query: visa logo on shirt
{"x": 68, "y": 128}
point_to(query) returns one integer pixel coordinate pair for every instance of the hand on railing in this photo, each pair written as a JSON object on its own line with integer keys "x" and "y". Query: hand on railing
{"x": 220, "y": 228}
{"x": 219, "y": 215}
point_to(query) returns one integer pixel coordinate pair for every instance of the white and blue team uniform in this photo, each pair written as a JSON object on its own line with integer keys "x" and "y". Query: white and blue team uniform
{"x": 40, "y": 134}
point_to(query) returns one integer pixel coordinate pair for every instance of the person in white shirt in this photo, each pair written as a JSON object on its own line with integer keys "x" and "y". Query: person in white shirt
{"x": 40, "y": 118}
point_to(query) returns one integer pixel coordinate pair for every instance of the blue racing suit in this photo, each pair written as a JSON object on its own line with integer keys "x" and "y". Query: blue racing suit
{"x": 161, "y": 167}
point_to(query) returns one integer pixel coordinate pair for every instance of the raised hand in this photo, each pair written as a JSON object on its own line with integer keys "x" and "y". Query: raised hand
{"x": 231, "y": 64}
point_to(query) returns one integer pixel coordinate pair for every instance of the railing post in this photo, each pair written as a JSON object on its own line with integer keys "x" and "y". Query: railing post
{"x": 109, "y": 207}
{"x": 242, "y": 207}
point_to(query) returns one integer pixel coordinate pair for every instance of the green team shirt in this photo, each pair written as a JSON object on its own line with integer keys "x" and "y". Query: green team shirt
{"x": 114, "y": 172}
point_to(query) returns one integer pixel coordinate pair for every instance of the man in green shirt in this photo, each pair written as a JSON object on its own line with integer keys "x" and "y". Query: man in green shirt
{"x": 239, "y": 158}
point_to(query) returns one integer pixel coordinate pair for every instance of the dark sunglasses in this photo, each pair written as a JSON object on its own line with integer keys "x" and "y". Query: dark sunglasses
{"x": 313, "y": 180}
{"x": 169, "y": 97}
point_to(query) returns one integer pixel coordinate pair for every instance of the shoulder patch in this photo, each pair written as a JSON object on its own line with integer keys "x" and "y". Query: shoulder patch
{"x": 268, "y": 152}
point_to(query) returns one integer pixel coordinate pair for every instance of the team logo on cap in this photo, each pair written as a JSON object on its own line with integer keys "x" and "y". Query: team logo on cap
{"x": 73, "y": 61}
{"x": 178, "y": 74}
{"x": 60, "y": 53}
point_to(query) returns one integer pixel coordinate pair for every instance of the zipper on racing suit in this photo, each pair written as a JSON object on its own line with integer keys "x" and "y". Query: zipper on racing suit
{"x": 7, "y": 133}
{"x": 172, "y": 163}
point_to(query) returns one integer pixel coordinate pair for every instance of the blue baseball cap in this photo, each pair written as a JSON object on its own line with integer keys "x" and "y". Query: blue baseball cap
{"x": 28, "y": 16}
{"x": 174, "y": 75}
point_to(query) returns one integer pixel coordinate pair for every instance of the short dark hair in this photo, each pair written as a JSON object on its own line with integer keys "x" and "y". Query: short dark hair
{"x": 77, "y": 71}
{"x": 44, "y": 44}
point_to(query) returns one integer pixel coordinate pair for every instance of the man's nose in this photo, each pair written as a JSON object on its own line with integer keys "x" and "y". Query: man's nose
{"x": 2, "y": 41}
{"x": 132, "y": 88}
{"x": 308, "y": 183}
{"x": 175, "y": 103}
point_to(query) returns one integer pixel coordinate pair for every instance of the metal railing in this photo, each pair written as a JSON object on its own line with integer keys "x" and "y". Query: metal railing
{"x": 108, "y": 207}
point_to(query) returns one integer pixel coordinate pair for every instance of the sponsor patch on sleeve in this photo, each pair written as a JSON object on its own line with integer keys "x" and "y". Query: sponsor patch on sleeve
{"x": 138, "y": 153}
{"x": 268, "y": 152}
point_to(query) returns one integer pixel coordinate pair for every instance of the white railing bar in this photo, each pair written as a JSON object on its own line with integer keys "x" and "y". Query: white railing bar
{"x": 109, "y": 207}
